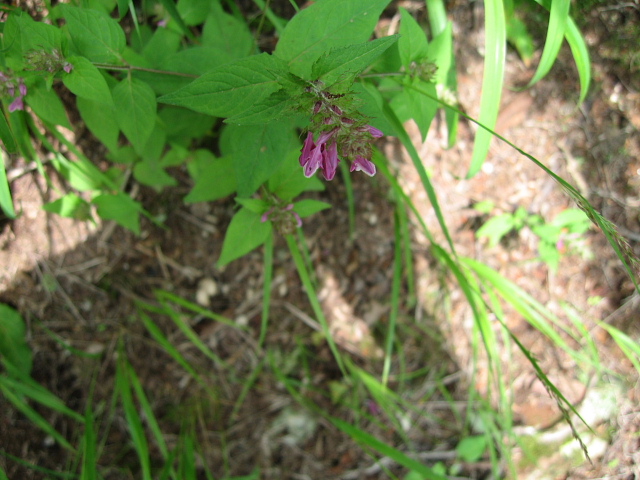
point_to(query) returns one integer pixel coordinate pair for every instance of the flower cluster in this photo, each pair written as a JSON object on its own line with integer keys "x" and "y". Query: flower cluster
{"x": 9, "y": 87}
{"x": 338, "y": 133}
{"x": 284, "y": 217}
{"x": 43, "y": 61}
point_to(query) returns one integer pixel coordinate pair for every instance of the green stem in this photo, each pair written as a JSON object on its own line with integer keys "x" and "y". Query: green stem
{"x": 129, "y": 68}
{"x": 266, "y": 292}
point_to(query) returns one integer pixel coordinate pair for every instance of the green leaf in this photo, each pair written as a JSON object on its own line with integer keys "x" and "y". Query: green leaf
{"x": 227, "y": 33}
{"x": 258, "y": 151}
{"x": 470, "y": 449}
{"x": 246, "y": 232}
{"x": 6, "y": 135}
{"x": 421, "y": 107}
{"x": 183, "y": 125}
{"x": 492, "y": 80}
{"x": 345, "y": 63}
{"x": 308, "y": 207}
{"x": 323, "y": 26}
{"x": 288, "y": 181}
{"x": 94, "y": 34}
{"x": 101, "y": 121}
{"x": 215, "y": 178}
{"x": 86, "y": 81}
{"x": 233, "y": 88}
{"x": 46, "y": 104}
{"x": 255, "y": 205}
{"x": 163, "y": 42}
{"x": 70, "y": 206}
{"x": 518, "y": 35}
{"x": 121, "y": 208}
{"x": 6, "y": 202}
{"x": 278, "y": 104}
{"x": 496, "y": 228}
{"x": 13, "y": 344}
{"x": 33, "y": 35}
{"x": 136, "y": 107}
{"x": 150, "y": 172}
{"x": 559, "y": 14}
{"x": 413, "y": 43}
{"x": 194, "y": 12}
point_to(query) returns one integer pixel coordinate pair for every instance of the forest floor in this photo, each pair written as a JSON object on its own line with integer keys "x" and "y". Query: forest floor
{"x": 77, "y": 284}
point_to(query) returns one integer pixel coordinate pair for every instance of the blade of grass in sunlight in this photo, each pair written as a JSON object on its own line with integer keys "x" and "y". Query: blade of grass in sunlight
{"x": 33, "y": 416}
{"x": 266, "y": 287}
{"x": 417, "y": 163}
{"x": 134, "y": 422}
{"x": 558, "y": 16}
{"x": 6, "y": 202}
{"x": 89, "y": 449}
{"x": 579, "y": 51}
{"x": 629, "y": 346}
{"x": 313, "y": 299}
{"x": 495, "y": 31}
{"x": 615, "y": 239}
{"x": 395, "y": 299}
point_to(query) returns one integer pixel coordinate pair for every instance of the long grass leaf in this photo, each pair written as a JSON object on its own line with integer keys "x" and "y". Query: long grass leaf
{"x": 558, "y": 16}
{"x": 19, "y": 403}
{"x": 134, "y": 422}
{"x": 266, "y": 287}
{"x": 395, "y": 299}
{"x": 6, "y": 202}
{"x": 495, "y": 31}
{"x": 89, "y": 447}
{"x": 164, "y": 296}
{"x": 46, "y": 471}
{"x": 628, "y": 346}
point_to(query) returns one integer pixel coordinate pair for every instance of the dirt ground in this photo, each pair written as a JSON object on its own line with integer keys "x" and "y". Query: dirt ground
{"x": 76, "y": 285}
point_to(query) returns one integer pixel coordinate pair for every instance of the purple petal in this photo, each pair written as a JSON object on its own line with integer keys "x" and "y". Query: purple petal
{"x": 307, "y": 148}
{"x": 265, "y": 215}
{"x": 22, "y": 87}
{"x": 361, "y": 164}
{"x": 67, "y": 67}
{"x": 314, "y": 162}
{"x": 330, "y": 161}
{"x": 17, "y": 104}
{"x": 375, "y": 133}
{"x": 298, "y": 219}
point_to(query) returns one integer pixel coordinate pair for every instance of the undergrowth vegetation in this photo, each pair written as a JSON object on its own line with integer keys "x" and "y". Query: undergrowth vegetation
{"x": 157, "y": 84}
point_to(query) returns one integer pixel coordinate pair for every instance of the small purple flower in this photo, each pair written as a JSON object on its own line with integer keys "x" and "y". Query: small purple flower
{"x": 330, "y": 161}
{"x": 294, "y": 213}
{"x": 17, "y": 104}
{"x": 67, "y": 67}
{"x": 313, "y": 155}
{"x": 22, "y": 87}
{"x": 363, "y": 165}
{"x": 375, "y": 133}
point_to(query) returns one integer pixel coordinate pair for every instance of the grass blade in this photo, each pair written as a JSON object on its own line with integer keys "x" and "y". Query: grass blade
{"x": 495, "y": 31}
{"x": 6, "y": 202}
{"x": 558, "y": 16}
{"x": 89, "y": 447}
{"x": 630, "y": 347}
{"x": 581, "y": 57}
{"x": 266, "y": 288}
{"x": 395, "y": 299}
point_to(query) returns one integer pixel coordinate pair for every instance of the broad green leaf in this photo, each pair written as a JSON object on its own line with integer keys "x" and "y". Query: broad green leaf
{"x": 288, "y": 181}
{"x": 559, "y": 15}
{"x": 33, "y": 36}
{"x": 308, "y": 207}
{"x": 101, "y": 121}
{"x": 183, "y": 125}
{"x": 163, "y": 42}
{"x": 246, "y": 232}
{"x": 496, "y": 228}
{"x": 6, "y": 202}
{"x": 492, "y": 80}
{"x": 255, "y": 205}
{"x": 343, "y": 64}
{"x": 70, "y": 206}
{"x": 518, "y": 35}
{"x": 233, "y": 88}
{"x": 215, "y": 178}
{"x": 46, "y": 104}
{"x": 81, "y": 174}
{"x": 121, "y": 208}
{"x": 13, "y": 344}
{"x": 194, "y": 12}
{"x": 470, "y": 449}
{"x": 227, "y": 33}
{"x": 325, "y": 25}
{"x": 150, "y": 172}
{"x": 94, "y": 34}
{"x": 413, "y": 41}
{"x": 86, "y": 81}
{"x": 440, "y": 52}
{"x": 258, "y": 151}
{"x": 196, "y": 60}
{"x": 136, "y": 107}
{"x": 278, "y": 104}
{"x": 6, "y": 135}
{"x": 421, "y": 107}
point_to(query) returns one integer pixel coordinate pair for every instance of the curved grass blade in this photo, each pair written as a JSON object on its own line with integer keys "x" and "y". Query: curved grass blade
{"x": 492, "y": 80}
{"x": 395, "y": 299}
{"x": 89, "y": 447}
{"x": 6, "y": 202}
{"x": 558, "y": 16}
{"x": 266, "y": 288}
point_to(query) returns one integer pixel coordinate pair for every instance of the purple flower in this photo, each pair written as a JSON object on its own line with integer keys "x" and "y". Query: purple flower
{"x": 330, "y": 161}
{"x": 295, "y": 214}
{"x": 67, "y": 67}
{"x": 363, "y": 165}
{"x": 17, "y": 104}
{"x": 315, "y": 155}
{"x": 375, "y": 133}
{"x": 22, "y": 87}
